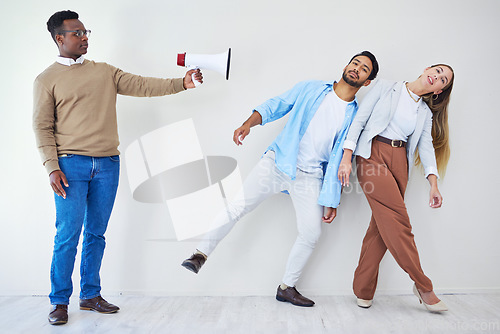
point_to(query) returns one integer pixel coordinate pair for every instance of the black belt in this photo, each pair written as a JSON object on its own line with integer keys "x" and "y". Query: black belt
{"x": 393, "y": 143}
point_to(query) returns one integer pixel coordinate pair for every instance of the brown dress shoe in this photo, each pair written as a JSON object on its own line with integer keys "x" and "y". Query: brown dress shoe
{"x": 59, "y": 315}
{"x": 291, "y": 295}
{"x": 98, "y": 304}
{"x": 194, "y": 263}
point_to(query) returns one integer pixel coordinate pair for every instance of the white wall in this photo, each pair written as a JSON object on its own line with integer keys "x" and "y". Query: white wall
{"x": 275, "y": 44}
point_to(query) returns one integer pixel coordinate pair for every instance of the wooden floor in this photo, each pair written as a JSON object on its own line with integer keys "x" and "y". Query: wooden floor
{"x": 469, "y": 313}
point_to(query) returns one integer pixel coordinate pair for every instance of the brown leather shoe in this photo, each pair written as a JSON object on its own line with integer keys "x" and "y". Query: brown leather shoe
{"x": 59, "y": 315}
{"x": 98, "y": 304}
{"x": 291, "y": 295}
{"x": 194, "y": 263}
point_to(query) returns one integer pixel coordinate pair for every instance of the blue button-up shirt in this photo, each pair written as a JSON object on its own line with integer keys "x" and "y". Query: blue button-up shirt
{"x": 301, "y": 102}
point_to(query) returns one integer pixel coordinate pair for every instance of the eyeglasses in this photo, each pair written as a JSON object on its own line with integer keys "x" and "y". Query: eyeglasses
{"x": 79, "y": 33}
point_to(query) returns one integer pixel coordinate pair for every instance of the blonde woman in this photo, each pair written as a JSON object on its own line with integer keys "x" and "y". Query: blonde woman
{"x": 394, "y": 120}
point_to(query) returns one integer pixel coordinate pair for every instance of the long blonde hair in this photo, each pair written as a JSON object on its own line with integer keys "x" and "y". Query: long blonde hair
{"x": 440, "y": 131}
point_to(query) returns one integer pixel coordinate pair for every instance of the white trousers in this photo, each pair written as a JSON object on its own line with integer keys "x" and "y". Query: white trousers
{"x": 266, "y": 180}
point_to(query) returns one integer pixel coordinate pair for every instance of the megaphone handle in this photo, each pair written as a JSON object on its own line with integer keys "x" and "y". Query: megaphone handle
{"x": 196, "y": 82}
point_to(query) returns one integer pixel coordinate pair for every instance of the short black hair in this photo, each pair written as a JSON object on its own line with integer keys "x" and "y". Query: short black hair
{"x": 373, "y": 73}
{"x": 56, "y": 21}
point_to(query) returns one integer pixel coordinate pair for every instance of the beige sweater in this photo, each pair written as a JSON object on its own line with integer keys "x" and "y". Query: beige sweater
{"x": 74, "y": 108}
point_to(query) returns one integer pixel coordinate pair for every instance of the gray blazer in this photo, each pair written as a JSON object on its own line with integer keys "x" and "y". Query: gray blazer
{"x": 374, "y": 114}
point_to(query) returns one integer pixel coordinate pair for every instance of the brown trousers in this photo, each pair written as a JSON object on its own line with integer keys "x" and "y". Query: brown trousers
{"x": 384, "y": 177}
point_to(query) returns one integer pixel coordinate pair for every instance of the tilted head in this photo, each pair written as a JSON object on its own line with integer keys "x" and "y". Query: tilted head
{"x": 362, "y": 68}
{"x": 374, "y": 70}
{"x": 437, "y": 80}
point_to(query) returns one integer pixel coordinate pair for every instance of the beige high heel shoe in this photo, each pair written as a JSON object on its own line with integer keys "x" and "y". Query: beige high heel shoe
{"x": 364, "y": 303}
{"x": 438, "y": 307}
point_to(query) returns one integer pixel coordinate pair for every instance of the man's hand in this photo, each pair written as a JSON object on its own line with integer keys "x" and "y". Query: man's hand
{"x": 188, "y": 80}
{"x": 56, "y": 177}
{"x": 243, "y": 131}
{"x": 240, "y": 134}
{"x": 330, "y": 214}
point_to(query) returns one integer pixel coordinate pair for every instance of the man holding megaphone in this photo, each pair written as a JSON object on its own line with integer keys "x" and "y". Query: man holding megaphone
{"x": 218, "y": 62}
{"x": 74, "y": 119}
{"x": 302, "y": 161}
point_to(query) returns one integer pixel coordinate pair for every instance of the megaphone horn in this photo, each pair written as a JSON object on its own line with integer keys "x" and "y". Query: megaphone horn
{"x": 219, "y": 62}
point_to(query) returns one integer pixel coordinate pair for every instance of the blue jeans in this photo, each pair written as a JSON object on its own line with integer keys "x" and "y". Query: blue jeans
{"x": 93, "y": 182}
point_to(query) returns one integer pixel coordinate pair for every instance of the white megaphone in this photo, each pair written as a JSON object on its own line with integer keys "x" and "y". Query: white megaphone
{"x": 219, "y": 63}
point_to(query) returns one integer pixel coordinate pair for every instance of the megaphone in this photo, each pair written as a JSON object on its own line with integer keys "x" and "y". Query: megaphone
{"x": 219, "y": 62}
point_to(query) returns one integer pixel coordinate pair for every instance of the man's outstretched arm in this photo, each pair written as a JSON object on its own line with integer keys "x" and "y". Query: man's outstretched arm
{"x": 243, "y": 131}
